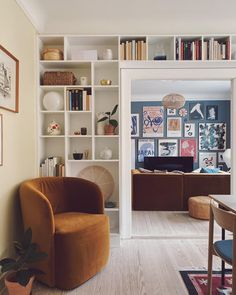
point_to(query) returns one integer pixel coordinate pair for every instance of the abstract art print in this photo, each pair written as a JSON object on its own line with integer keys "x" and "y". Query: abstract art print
{"x": 220, "y": 157}
{"x": 207, "y": 159}
{"x": 1, "y": 141}
{"x": 212, "y": 136}
{"x": 153, "y": 121}
{"x": 167, "y": 148}
{"x": 145, "y": 149}
{"x": 188, "y": 148}
{"x": 196, "y": 111}
{"x": 189, "y": 130}
{"x": 134, "y": 124}
{"x": 212, "y": 112}
{"x": 9, "y": 81}
{"x": 171, "y": 112}
{"x": 174, "y": 127}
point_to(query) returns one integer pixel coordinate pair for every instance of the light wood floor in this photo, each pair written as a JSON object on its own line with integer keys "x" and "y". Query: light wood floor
{"x": 143, "y": 266}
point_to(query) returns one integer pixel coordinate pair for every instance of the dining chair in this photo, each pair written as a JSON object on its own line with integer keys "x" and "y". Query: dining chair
{"x": 224, "y": 249}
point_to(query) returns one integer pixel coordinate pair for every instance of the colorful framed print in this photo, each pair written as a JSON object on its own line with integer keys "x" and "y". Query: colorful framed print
{"x": 196, "y": 111}
{"x": 188, "y": 148}
{"x": 171, "y": 112}
{"x": 212, "y": 136}
{"x": 167, "y": 147}
{"x": 1, "y": 141}
{"x": 9, "y": 81}
{"x": 207, "y": 159}
{"x": 189, "y": 130}
{"x": 220, "y": 157}
{"x": 145, "y": 149}
{"x": 134, "y": 124}
{"x": 212, "y": 112}
{"x": 174, "y": 127}
{"x": 153, "y": 121}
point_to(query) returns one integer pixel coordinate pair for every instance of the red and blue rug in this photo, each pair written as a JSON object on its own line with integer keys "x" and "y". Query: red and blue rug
{"x": 196, "y": 282}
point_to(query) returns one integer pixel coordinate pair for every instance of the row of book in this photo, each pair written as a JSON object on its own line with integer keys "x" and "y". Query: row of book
{"x": 78, "y": 99}
{"x": 133, "y": 50}
{"x": 188, "y": 49}
{"x": 216, "y": 50}
{"x": 52, "y": 166}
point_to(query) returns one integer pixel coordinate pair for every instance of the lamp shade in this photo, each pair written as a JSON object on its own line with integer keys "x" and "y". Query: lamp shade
{"x": 227, "y": 157}
{"x": 173, "y": 101}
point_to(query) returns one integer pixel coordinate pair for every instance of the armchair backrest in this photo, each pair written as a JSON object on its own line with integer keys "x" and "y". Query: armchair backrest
{"x": 223, "y": 218}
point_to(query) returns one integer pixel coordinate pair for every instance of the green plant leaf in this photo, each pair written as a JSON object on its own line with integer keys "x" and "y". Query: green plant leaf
{"x": 35, "y": 271}
{"x": 102, "y": 119}
{"x": 7, "y": 264}
{"x": 23, "y": 276}
{"x": 114, "y": 110}
{"x": 19, "y": 249}
{"x": 36, "y": 256}
{"x": 27, "y": 238}
{"x": 113, "y": 123}
{"x": 108, "y": 113}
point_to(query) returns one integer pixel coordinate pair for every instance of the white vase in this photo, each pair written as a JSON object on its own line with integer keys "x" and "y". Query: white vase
{"x": 107, "y": 54}
{"x": 54, "y": 128}
{"x": 53, "y": 101}
{"x": 106, "y": 154}
{"x": 100, "y": 125}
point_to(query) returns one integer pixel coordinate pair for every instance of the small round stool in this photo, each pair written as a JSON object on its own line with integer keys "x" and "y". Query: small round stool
{"x": 199, "y": 207}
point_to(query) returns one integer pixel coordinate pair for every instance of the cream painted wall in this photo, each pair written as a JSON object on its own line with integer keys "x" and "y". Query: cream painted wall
{"x": 17, "y": 35}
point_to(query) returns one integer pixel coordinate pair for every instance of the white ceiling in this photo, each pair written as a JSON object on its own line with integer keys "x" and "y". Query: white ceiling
{"x": 131, "y": 16}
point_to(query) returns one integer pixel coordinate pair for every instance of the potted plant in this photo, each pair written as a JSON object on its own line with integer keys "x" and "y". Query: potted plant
{"x": 20, "y": 275}
{"x": 111, "y": 123}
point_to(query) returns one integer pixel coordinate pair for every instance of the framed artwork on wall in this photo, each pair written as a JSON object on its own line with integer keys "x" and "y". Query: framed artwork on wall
{"x": 207, "y": 159}
{"x": 220, "y": 157}
{"x": 189, "y": 130}
{"x": 134, "y": 124}
{"x": 188, "y": 148}
{"x": 1, "y": 141}
{"x": 145, "y": 149}
{"x": 212, "y": 112}
{"x": 196, "y": 111}
{"x": 153, "y": 121}
{"x": 171, "y": 112}
{"x": 133, "y": 153}
{"x": 167, "y": 147}
{"x": 174, "y": 127}
{"x": 9, "y": 81}
{"x": 212, "y": 136}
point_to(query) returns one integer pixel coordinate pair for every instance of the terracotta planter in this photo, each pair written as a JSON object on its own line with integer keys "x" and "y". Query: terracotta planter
{"x": 15, "y": 288}
{"x": 109, "y": 129}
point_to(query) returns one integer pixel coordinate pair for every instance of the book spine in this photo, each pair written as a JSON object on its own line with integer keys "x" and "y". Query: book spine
{"x": 127, "y": 50}
{"x": 84, "y": 100}
{"x": 80, "y": 100}
{"x": 133, "y": 49}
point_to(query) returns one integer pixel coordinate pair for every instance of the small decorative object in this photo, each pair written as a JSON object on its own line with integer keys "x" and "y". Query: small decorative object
{"x": 183, "y": 112}
{"x": 52, "y": 54}
{"x": 53, "y": 101}
{"x": 54, "y": 128}
{"x": 100, "y": 125}
{"x": 9, "y": 81}
{"x": 106, "y": 154}
{"x": 86, "y": 154}
{"x": 83, "y": 131}
{"x": 160, "y": 53}
{"x": 107, "y": 54}
{"x": 76, "y": 132}
{"x": 78, "y": 156}
{"x": 1, "y": 141}
{"x": 112, "y": 123}
{"x": 58, "y": 78}
{"x": 110, "y": 204}
{"x": 173, "y": 101}
{"x": 105, "y": 82}
{"x": 21, "y": 275}
{"x": 83, "y": 80}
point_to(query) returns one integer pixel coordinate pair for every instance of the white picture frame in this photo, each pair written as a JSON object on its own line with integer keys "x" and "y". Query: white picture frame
{"x": 171, "y": 112}
{"x": 146, "y": 148}
{"x": 135, "y": 125}
{"x": 189, "y": 129}
{"x": 174, "y": 127}
{"x": 167, "y": 147}
{"x": 207, "y": 159}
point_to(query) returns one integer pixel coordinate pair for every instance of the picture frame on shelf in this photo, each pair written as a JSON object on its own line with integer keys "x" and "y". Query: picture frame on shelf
{"x": 134, "y": 125}
{"x": 9, "y": 81}
{"x": 1, "y": 140}
{"x": 174, "y": 127}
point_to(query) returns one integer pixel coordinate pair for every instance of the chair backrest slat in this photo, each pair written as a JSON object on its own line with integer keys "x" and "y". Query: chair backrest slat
{"x": 223, "y": 218}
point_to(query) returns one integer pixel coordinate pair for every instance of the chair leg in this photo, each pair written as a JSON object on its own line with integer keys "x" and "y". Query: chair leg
{"x": 209, "y": 274}
{"x": 234, "y": 280}
{"x": 210, "y": 253}
{"x": 222, "y": 273}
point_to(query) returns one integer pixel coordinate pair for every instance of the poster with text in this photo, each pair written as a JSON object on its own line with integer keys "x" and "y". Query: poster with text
{"x": 145, "y": 149}
{"x": 153, "y": 121}
{"x": 188, "y": 148}
{"x": 167, "y": 148}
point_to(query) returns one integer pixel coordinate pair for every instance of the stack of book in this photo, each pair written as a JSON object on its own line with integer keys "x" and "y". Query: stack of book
{"x": 78, "y": 99}
{"x": 133, "y": 50}
{"x": 52, "y": 166}
{"x": 216, "y": 49}
{"x": 188, "y": 49}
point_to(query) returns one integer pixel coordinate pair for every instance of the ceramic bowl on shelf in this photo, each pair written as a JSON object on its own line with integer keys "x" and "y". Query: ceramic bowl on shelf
{"x": 105, "y": 82}
{"x": 78, "y": 156}
{"x": 53, "y": 101}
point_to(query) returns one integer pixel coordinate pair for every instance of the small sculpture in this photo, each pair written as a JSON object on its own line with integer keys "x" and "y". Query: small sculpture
{"x": 106, "y": 154}
{"x": 54, "y": 128}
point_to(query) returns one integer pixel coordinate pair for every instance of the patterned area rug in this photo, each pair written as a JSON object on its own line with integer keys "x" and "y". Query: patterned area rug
{"x": 196, "y": 282}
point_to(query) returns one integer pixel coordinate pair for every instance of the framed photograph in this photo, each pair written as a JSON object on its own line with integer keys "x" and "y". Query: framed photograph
{"x": 171, "y": 112}
{"x": 145, "y": 149}
{"x": 188, "y": 148}
{"x": 207, "y": 159}
{"x": 1, "y": 141}
{"x": 174, "y": 127}
{"x": 220, "y": 157}
{"x": 9, "y": 81}
{"x": 153, "y": 121}
{"x": 189, "y": 130}
{"x": 196, "y": 111}
{"x": 212, "y": 112}
{"x": 168, "y": 148}
{"x": 212, "y": 136}
{"x": 134, "y": 124}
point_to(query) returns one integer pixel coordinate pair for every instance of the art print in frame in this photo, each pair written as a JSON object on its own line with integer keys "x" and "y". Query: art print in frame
{"x": 9, "y": 81}
{"x": 171, "y": 112}
{"x": 134, "y": 124}
{"x": 189, "y": 130}
{"x": 168, "y": 148}
{"x": 207, "y": 159}
{"x": 196, "y": 111}
{"x": 1, "y": 141}
{"x": 174, "y": 127}
{"x": 145, "y": 149}
{"x": 212, "y": 136}
{"x": 188, "y": 148}
{"x": 212, "y": 112}
{"x": 220, "y": 157}
{"x": 153, "y": 121}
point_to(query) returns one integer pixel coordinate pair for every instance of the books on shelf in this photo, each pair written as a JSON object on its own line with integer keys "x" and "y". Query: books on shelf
{"x": 188, "y": 49}
{"x": 216, "y": 49}
{"x": 78, "y": 99}
{"x": 133, "y": 50}
{"x": 52, "y": 166}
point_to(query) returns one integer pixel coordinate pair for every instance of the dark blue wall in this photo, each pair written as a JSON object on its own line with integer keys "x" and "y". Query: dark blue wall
{"x": 223, "y": 116}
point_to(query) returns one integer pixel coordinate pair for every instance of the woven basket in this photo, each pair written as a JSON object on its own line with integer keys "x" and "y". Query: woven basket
{"x": 52, "y": 54}
{"x": 58, "y": 78}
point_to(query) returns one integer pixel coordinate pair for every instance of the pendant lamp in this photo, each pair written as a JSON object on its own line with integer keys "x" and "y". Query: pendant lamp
{"x": 173, "y": 101}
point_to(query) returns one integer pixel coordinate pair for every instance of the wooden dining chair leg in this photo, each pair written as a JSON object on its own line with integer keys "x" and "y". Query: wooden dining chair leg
{"x": 210, "y": 254}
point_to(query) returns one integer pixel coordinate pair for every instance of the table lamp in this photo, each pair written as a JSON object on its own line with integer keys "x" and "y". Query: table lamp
{"x": 227, "y": 158}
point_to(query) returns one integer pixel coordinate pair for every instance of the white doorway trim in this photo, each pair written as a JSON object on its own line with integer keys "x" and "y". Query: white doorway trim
{"x": 168, "y": 72}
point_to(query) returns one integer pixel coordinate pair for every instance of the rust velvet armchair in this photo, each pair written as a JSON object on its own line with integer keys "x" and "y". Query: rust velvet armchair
{"x": 67, "y": 219}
